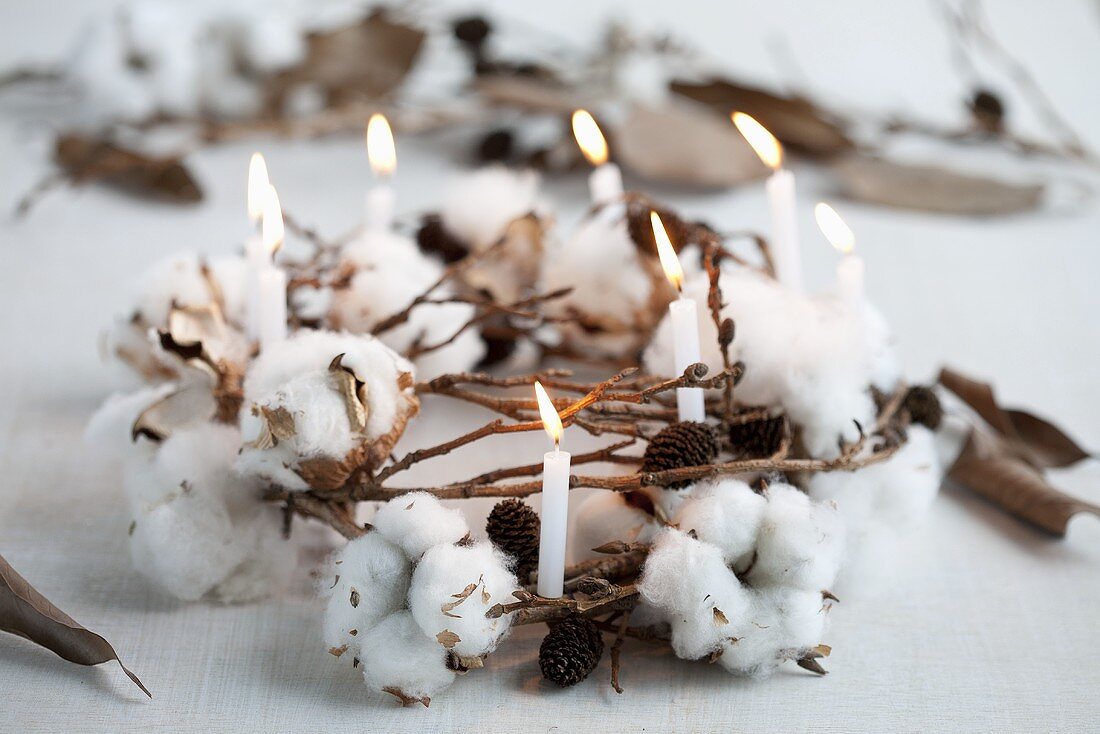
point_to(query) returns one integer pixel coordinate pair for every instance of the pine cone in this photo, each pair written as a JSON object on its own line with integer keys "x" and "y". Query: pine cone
{"x": 570, "y": 651}
{"x": 924, "y": 407}
{"x": 434, "y": 239}
{"x": 758, "y": 439}
{"x": 686, "y": 443}
{"x": 640, "y": 227}
{"x": 513, "y": 527}
{"x": 472, "y": 31}
{"x": 496, "y": 146}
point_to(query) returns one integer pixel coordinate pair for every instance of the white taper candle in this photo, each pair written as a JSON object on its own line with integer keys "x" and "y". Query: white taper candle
{"x": 555, "y": 521}
{"x": 685, "y": 336}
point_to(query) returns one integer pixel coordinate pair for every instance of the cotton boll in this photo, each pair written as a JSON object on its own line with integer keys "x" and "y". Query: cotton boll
{"x": 176, "y": 279}
{"x": 269, "y": 560}
{"x": 417, "y": 521}
{"x": 370, "y": 581}
{"x": 452, "y": 589}
{"x": 603, "y": 517}
{"x": 389, "y": 273}
{"x": 478, "y": 206}
{"x": 726, "y": 513}
{"x": 273, "y": 41}
{"x": 109, "y": 428}
{"x": 397, "y": 657}
{"x": 780, "y": 625}
{"x": 679, "y": 571}
{"x": 97, "y": 67}
{"x": 799, "y": 543}
{"x": 618, "y": 293}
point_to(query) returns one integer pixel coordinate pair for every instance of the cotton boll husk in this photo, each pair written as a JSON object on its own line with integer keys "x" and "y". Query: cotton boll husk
{"x": 800, "y": 542}
{"x": 813, "y": 356}
{"x": 109, "y": 428}
{"x": 603, "y": 517}
{"x": 615, "y": 287}
{"x": 447, "y": 570}
{"x": 390, "y": 273}
{"x": 725, "y": 513}
{"x": 369, "y": 581}
{"x": 417, "y": 521}
{"x": 396, "y": 655}
{"x": 294, "y": 376}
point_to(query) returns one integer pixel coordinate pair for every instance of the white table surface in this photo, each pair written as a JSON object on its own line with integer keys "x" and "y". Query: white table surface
{"x": 983, "y": 625}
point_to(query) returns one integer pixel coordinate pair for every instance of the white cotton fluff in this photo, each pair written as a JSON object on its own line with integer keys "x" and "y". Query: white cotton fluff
{"x": 294, "y": 376}
{"x": 417, "y": 521}
{"x": 881, "y": 502}
{"x": 725, "y": 513}
{"x": 478, "y": 206}
{"x": 780, "y": 625}
{"x": 612, "y": 289}
{"x": 195, "y": 522}
{"x": 389, "y": 273}
{"x": 444, "y": 574}
{"x": 603, "y": 517}
{"x": 369, "y": 581}
{"x": 109, "y": 428}
{"x": 397, "y": 656}
{"x": 815, "y": 357}
{"x": 800, "y": 542}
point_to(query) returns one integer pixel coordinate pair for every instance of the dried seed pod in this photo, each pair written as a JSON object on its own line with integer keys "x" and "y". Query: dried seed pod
{"x": 678, "y": 445}
{"x": 570, "y": 651}
{"x": 924, "y": 407}
{"x": 513, "y": 527}
{"x": 758, "y": 439}
{"x": 471, "y": 31}
{"x": 496, "y": 146}
{"x": 434, "y": 239}
{"x": 988, "y": 111}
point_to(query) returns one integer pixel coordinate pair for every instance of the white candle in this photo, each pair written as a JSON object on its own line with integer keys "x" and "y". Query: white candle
{"x": 258, "y": 190}
{"x": 849, "y": 273}
{"x": 555, "y": 503}
{"x": 605, "y": 183}
{"x": 267, "y": 315}
{"x": 685, "y": 326}
{"x": 786, "y": 255}
{"x": 381, "y": 199}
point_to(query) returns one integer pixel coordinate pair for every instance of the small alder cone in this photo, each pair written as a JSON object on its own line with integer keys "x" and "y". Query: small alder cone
{"x": 686, "y": 443}
{"x": 758, "y": 439}
{"x": 924, "y": 407}
{"x": 570, "y": 651}
{"x": 513, "y": 527}
{"x": 434, "y": 239}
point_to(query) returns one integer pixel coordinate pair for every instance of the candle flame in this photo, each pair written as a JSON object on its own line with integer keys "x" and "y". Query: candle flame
{"x": 589, "y": 138}
{"x": 673, "y": 270}
{"x": 551, "y": 421}
{"x": 273, "y": 230}
{"x": 380, "y": 147}
{"x": 258, "y": 183}
{"x": 762, "y": 141}
{"x": 833, "y": 227}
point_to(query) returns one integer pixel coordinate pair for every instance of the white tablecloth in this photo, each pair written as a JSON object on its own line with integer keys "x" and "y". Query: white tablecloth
{"x": 983, "y": 625}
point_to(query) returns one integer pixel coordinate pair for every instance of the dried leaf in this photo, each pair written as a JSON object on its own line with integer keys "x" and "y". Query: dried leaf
{"x": 448, "y": 639}
{"x": 25, "y": 612}
{"x": 338, "y": 651}
{"x": 354, "y": 392}
{"x": 527, "y": 93}
{"x": 932, "y": 189}
{"x": 280, "y": 422}
{"x": 364, "y": 61}
{"x": 93, "y": 159}
{"x": 459, "y": 598}
{"x": 810, "y": 663}
{"x": 797, "y": 122}
{"x": 324, "y": 472}
{"x": 720, "y": 617}
{"x": 191, "y": 404}
{"x": 406, "y": 700}
{"x": 988, "y": 467}
{"x": 683, "y": 144}
{"x": 614, "y": 547}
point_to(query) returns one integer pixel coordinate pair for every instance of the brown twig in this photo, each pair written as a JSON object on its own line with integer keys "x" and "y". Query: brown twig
{"x": 616, "y": 649}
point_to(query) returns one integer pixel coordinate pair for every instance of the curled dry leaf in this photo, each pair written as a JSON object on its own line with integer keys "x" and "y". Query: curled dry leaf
{"x": 683, "y": 144}
{"x": 797, "y": 122}
{"x": 1004, "y": 461}
{"x": 94, "y": 159}
{"x": 354, "y": 392}
{"x": 528, "y": 93}
{"x": 363, "y": 61}
{"x": 25, "y": 612}
{"x": 932, "y": 189}
{"x": 188, "y": 405}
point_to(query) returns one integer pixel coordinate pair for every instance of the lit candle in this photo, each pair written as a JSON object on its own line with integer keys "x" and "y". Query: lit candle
{"x": 849, "y": 273}
{"x": 270, "y": 279}
{"x": 258, "y": 186}
{"x": 381, "y": 199}
{"x": 685, "y": 325}
{"x": 781, "y": 201}
{"x": 555, "y": 503}
{"x": 605, "y": 184}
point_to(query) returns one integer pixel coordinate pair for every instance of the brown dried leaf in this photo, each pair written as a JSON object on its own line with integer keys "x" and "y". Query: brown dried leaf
{"x": 25, "y": 612}
{"x": 720, "y": 617}
{"x": 989, "y": 467}
{"x": 406, "y": 700}
{"x": 448, "y": 639}
{"x": 797, "y": 122}
{"x": 92, "y": 159}
{"x": 683, "y": 144}
{"x": 354, "y": 392}
{"x": 364, "y": 61}
{"x": 280, "y": 422}
{"x": 529, "y": 93}
{"x": 614, "y": 547}
{"x": 459, "y": 598}
{"x": 338, "y": 651}
{"x": 324, "y": 472}
{"x": 189, "y": 405}
{"x": 932, "y": 189}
